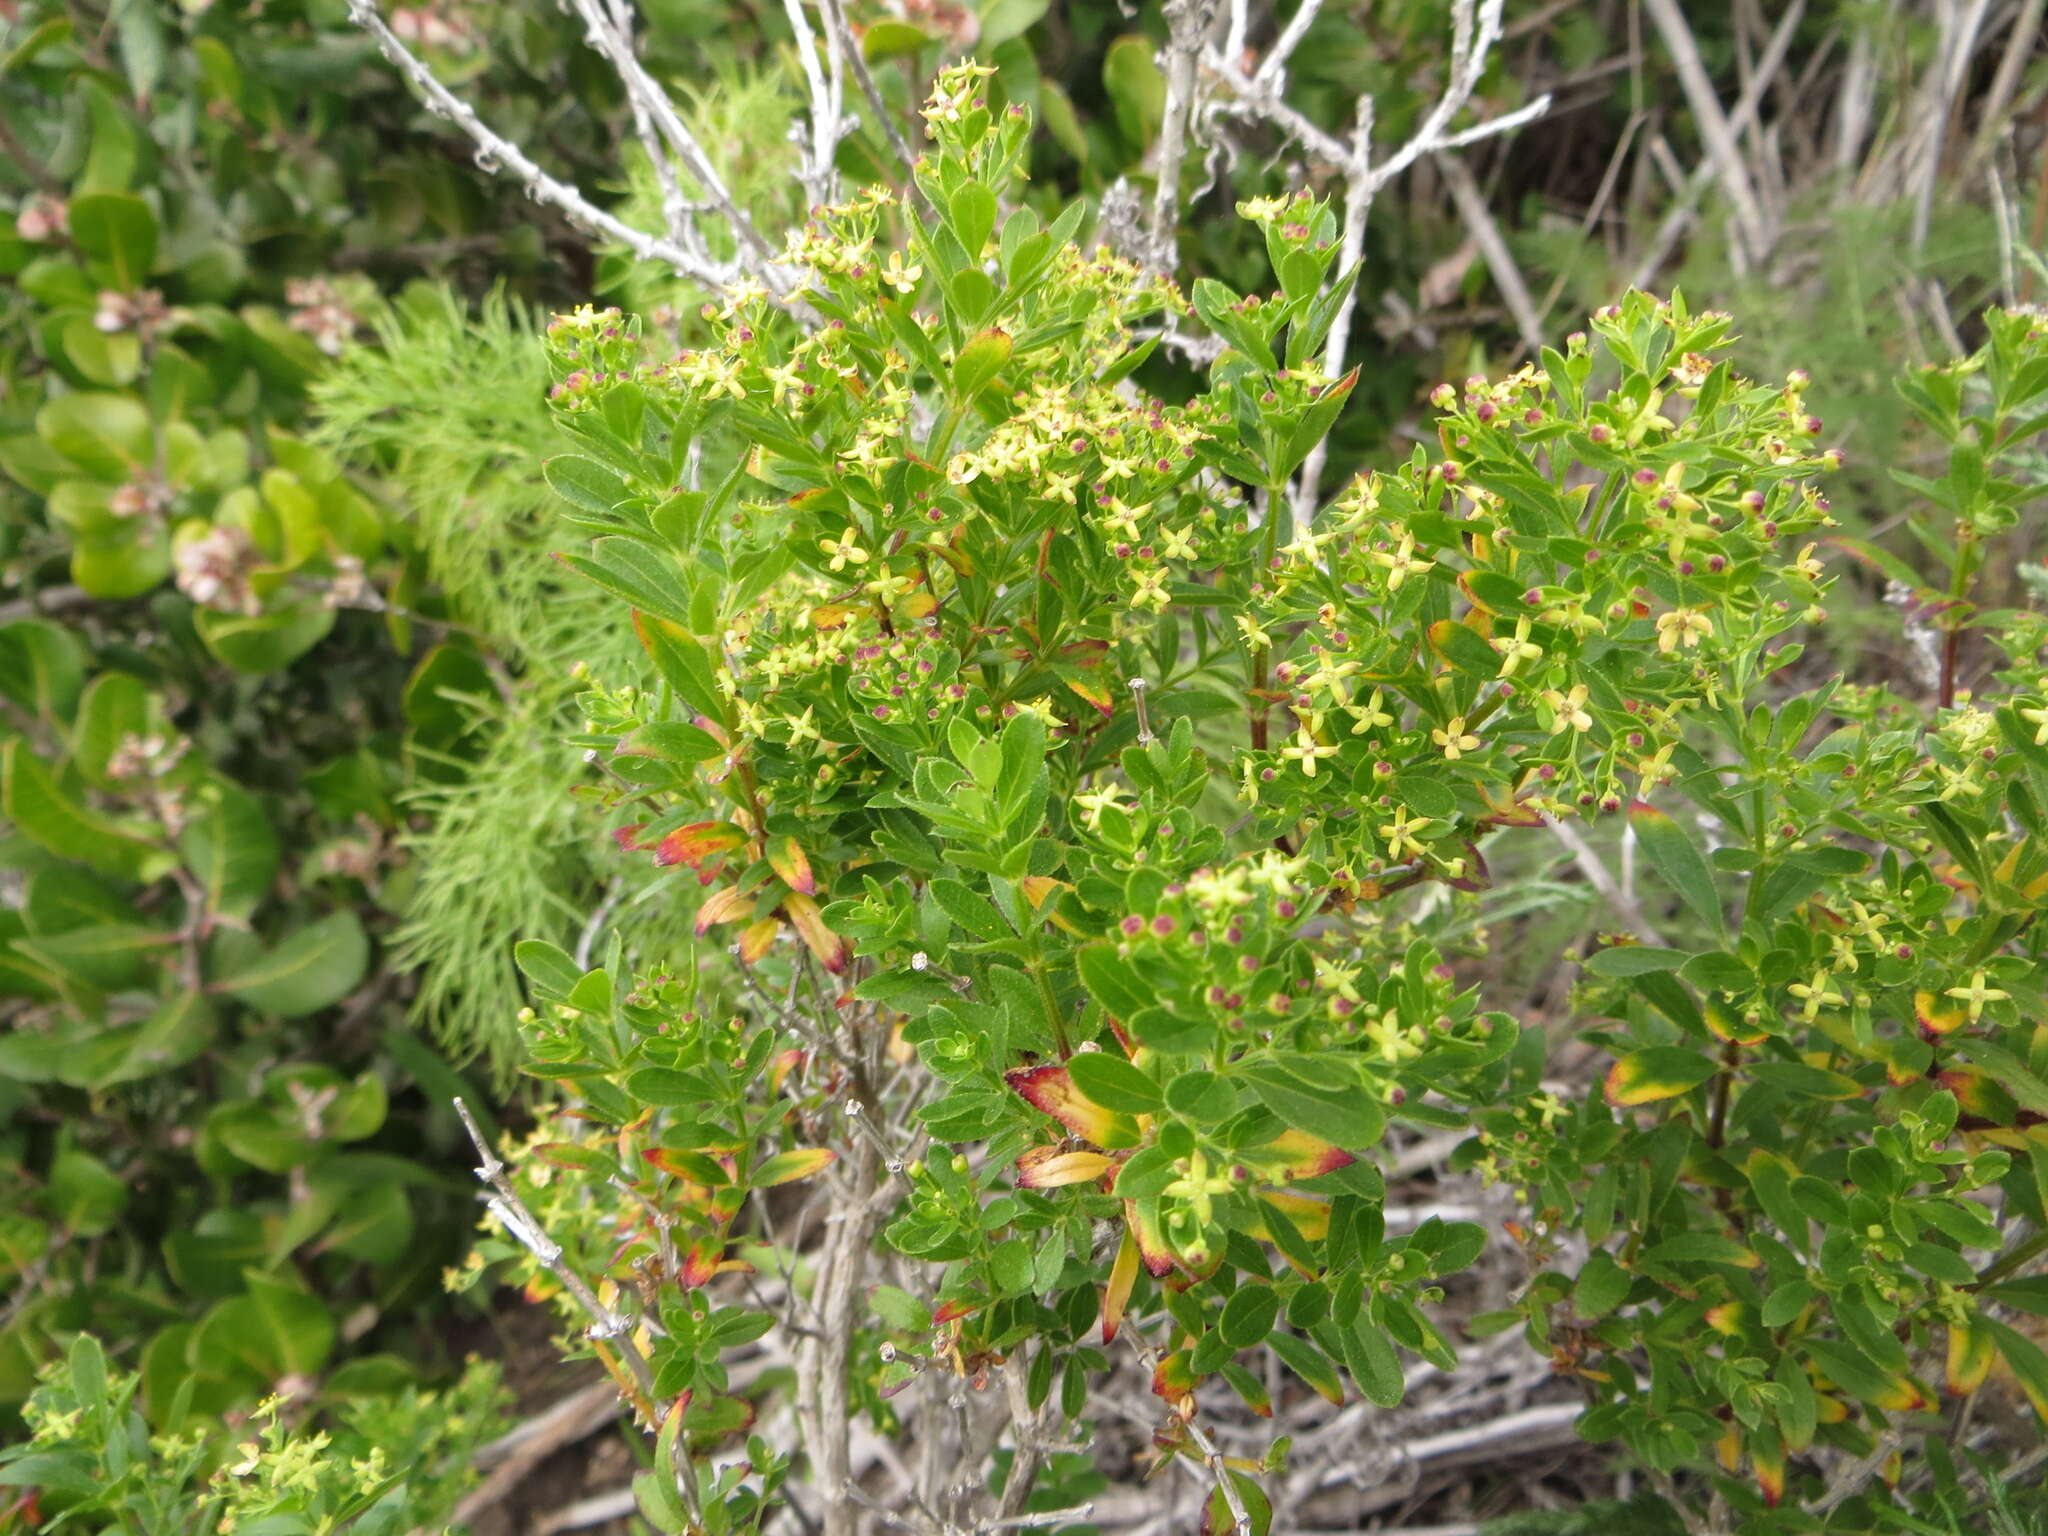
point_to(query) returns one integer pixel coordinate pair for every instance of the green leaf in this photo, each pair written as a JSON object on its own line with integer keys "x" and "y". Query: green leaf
{"x": 1349, "y": 1118}
{"x": 638, "y": 575}
{"x": 1369, "y": 1354}
{"x": 275, "y": 1329}
{"x": 551, "y": 969}
{"x": 584, "y": 483}
{"x": 1677, "y": 859}
{"x": 1114, "y": 1083}
{"x": 260, "y": 643}
{"x": 969, "y": 909}
{"x": 1111, "y": 981}
{"x": 900, "y": 1310}
{"x": 117, "y": 231}
{"x": 84, "y": 1194}
{"x": 104, "y": 435}
{"x": 1601, "y": 1287}
{"x": 1249, "y": 1315}
{"x": 1786, "y": 1302}
{"x": 1700, "y": 1248}
{"x": 1309, "y": 1363}
{"x": 980, "y": 360}
{"x": 42, "y": 669}
{"x": 31, "y": 799}
{"x": 1660, "y": 1072}
{"x": 1623, "y": 960}
{"x": 114, "y": 708}
{"x": 1425, "y": 796}
{"x": 972, "y": 213}
{"x": 313, "y": 968}
{"x": 231, "y": 850}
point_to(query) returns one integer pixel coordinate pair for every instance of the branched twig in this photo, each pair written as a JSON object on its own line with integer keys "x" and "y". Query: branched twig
{"x": 494, "y": 151}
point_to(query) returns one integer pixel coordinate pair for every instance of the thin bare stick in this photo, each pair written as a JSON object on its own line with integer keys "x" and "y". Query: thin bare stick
{"x": 1597, "y": 876}
{"x": 494, "y": 151}
{"x": 2012, "y": 65}
{"x": 1688, "y": 199}
{"x": 815, "y": 168}
{"x": 1187, "y": 22}
{"x": 1273, "y": 66}
{"x": 841, "y": 36}
{"x": 754, "y": 251}
{"x": 1500, "y": 261}
{"x": 1714, "y": 127}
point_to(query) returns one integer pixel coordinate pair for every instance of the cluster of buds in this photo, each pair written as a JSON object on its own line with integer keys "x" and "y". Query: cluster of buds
{"x": 142, "y": 313}
{"x": 42, "y": 220}
{"x": 145, "y": 757}
{"x": 430, "y": 26}
{"x": 318, "y": 312}
{"x": 214, "y": 568}
{"x": 143, "y": 494}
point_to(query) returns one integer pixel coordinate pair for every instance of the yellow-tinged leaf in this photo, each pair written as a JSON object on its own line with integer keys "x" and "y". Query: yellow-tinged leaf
{"x": 791, "y": 866}
{"x": 1660, "y": 1072}
{"x": 755, "y": 941}
{"x": 722, "y": 906}
{"x": 1937, "y": 1015}
{"x": 1971, "y": 1353}
{"x": 788, "y": 1167}
{"x": 831, "y": 950}
{"x": 1055, "y": 1167}
{"x": 1093, "y": 694}
{"x": 1116, "y": 1294}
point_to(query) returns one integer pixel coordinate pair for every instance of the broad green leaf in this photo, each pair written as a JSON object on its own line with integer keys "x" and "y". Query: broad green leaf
{"x": 1249, "y": 1315}
{"x": 230, "y": 849}
{"x": 42, "y": 669}
{"x": 1113, "y": 1082}
{"x": 264, "y": 642}
{"x": 32, "y": 800}
{"x": 312, "y": 968}
{"x": 117, "y": 232}
{"x": 1347, "y": 1117}
{"x": 103, "y": 434}
{"x": 114, "y": 709}
{"x": 1677, "y": 860}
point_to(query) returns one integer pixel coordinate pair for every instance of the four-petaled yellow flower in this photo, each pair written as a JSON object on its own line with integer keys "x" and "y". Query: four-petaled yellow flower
{"x": 1400, "y": 833}
{"x": 846, "y": 551}
{"x": 903, "y": 279}
{"x": 1369, "y": 715}
{"x": 1518, "y": 650}
{"x": 1816, "y": 995}
{"x": 1682, "y": 625}
{"x": 1401, "y": 564}
{"x": 1306, "y": 749}
{"x": 1455, "y": 740}
{"x": 1976, "y": 994}
{"x": 1569, "y": 708}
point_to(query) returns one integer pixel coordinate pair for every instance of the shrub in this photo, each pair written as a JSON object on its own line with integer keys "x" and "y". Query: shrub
{"x": 1093, "y": 840}
{"x": 391, "y": 1460}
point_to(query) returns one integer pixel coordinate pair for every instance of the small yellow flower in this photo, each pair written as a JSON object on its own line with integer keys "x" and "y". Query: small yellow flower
{"x": 1455, "y": 740}
{"x": 903, "y": 279}
{"x": 846, "y": 551}
{"x": 1518, "y": 650}
{"x": 1682, "y": 626}
{"x": 1569, "y": 708}
{"x": 1816, "y": 995}
{"x": 1400, "y": 833}
{"x": 1307, "y": 750}
{"x": 1976, "y": 994}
